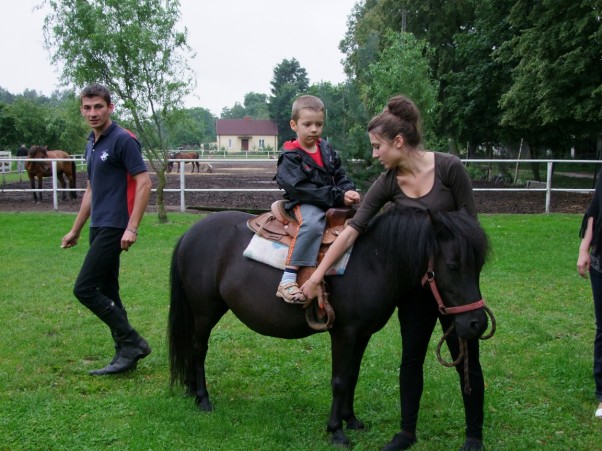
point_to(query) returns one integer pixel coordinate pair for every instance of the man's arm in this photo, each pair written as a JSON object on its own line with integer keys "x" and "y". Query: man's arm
{"x": 71, "y": 238}
{"x": 142, "y": 195}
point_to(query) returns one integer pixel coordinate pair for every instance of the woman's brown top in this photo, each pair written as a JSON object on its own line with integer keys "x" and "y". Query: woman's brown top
{"x": 451, "y": 191}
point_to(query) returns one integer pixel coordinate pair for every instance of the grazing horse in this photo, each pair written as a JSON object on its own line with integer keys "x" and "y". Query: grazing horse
{"x": 42, "y": 169}
{"x": 184, "y": 156}
{"x": 210, "y": 275}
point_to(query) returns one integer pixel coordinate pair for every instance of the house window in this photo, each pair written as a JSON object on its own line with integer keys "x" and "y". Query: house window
{"x": 229, "y": 144}
{"x": 261, "y": 143}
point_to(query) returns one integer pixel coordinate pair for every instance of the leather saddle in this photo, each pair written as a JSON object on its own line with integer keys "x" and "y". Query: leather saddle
{"x": 278, "y": 225}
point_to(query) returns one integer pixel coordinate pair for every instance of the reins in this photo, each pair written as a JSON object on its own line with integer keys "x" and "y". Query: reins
{"x": 429, "y": 278}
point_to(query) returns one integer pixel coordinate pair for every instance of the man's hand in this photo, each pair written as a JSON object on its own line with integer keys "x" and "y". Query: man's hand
{"x": 70, "y": 240}
{"x": 129, "y": 237}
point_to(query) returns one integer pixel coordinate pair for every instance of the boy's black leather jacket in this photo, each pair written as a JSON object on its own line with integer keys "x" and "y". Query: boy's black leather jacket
{"x": 304, "y": 182}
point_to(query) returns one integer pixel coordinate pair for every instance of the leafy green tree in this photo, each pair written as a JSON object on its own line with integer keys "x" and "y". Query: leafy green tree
{"x": 9, "y": 136}
{"x": 236, "y": 112}
{"x": 346, "y": 123}
{"x": 475, "y": 86}
{"x": 256, "y": 105}
{"x": 65, "y": 127}
{"x": 30, "y": 119}
{"x": 195, "y": 127}
{"x": 133, "y": 47}
{"x": 289, "y": 81}
{"x": 556, "y": 90}
{"x": 403, "y": 68}
{"x": 6, "y": 97}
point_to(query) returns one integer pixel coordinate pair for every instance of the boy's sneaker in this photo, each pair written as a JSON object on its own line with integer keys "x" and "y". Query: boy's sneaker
{"x": 291, "y": 293}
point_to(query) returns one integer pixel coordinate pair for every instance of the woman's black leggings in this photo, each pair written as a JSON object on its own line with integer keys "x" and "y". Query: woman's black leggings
{"x": 417, "y": 317}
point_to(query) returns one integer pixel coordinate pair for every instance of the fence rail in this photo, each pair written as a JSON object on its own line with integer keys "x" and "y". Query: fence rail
{"x": 545, "y": 186}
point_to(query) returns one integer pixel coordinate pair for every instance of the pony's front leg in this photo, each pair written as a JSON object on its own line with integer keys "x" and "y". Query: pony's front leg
{"x": 40, "y": 181}
{"x": 347, "y": 353}
{"x": 61, "y": 179}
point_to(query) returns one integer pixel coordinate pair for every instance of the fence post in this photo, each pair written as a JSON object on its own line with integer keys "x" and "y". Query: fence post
{"x": 182, "y": 168}
{"x": 549, "y": 186}
{"x": 55, "y": 199}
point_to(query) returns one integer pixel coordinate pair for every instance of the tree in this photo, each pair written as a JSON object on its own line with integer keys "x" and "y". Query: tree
{"x": 196, "y": 126}
{"x": 132, "y": 47}
{"x": 403, "y": 68}
{"x": 236, "y": 112}
{"x": 475, "y": 86}
{"x": 289, "y": 81}
{"x": 556, "y": 91}
{"x": 256, "y": 105}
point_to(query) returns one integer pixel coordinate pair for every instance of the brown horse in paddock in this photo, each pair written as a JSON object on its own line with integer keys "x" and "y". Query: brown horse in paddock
{"x": 39, "y": 170}
{"x": 184, "y": 156}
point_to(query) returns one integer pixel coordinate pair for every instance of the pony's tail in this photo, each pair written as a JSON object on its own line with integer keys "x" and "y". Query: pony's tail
{"x": 180, "y": 331}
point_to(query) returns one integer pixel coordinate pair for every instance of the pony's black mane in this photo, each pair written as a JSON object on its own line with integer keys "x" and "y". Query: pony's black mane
{"x": 408, "y": 237}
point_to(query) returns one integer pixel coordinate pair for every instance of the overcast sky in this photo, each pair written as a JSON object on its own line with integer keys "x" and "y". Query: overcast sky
{"x": 238, "y": 44}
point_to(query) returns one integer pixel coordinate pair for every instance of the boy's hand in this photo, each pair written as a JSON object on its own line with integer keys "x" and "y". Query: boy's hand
{"x": 352, "y": 197}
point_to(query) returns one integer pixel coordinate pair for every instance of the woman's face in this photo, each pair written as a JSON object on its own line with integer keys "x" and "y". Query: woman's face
{"x": 389, "y": 153}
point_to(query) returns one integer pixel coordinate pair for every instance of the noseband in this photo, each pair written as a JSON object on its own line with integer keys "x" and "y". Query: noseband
{"x": 429, "y": 278}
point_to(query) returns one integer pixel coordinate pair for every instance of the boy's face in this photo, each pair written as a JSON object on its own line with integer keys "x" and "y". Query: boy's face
{"x": 308, "y": 127}
{"x": 96, "y": 112}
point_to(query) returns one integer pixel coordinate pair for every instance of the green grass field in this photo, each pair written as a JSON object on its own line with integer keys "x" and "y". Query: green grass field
{"x": 272, "y": 394}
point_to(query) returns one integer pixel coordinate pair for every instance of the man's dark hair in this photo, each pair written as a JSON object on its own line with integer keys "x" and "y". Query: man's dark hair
{"x": 96, "y": 90}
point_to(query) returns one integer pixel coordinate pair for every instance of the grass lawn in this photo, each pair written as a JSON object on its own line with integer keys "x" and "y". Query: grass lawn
{"x": 272, "y": 394}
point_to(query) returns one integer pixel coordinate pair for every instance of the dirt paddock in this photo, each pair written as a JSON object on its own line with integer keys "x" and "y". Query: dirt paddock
{"x": 260, "y": 176}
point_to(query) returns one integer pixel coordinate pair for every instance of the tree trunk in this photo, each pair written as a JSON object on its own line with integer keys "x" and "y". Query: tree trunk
{"x": 161, "y": 213}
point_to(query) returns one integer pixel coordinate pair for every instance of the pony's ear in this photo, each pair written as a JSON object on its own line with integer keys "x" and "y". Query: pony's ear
{"x": 436, "y": 218}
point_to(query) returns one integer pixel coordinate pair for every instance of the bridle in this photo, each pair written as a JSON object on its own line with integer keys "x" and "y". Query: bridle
{"x": 429, "y": 278}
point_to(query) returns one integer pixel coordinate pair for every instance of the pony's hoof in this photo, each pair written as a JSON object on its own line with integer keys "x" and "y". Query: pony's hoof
{"x": 204, "y": 404}
{"x": 339, "y": 438}
{"x": 355, "y": 424}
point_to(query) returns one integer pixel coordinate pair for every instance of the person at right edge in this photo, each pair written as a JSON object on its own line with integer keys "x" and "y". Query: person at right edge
{"x": 589, "y": 262}
{"x": 422, "y": 179}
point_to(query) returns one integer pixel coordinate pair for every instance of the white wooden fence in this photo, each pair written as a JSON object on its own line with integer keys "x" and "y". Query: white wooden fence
{"x": 543, "y": 187}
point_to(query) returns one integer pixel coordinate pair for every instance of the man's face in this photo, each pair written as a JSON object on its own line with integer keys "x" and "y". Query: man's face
{"x": 97, "y": 112}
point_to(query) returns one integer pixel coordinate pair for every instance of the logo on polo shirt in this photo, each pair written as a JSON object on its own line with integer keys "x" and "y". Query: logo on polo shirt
{"x": 104, "y": 155}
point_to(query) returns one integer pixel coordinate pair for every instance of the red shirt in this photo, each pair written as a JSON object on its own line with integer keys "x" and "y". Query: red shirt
{"x": 316, "y": 156}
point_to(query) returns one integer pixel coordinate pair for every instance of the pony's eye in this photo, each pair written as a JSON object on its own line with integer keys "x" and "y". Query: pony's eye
{"x": 453, "y": 266}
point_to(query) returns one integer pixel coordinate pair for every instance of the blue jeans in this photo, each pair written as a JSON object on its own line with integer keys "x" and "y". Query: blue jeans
{"x": 305, "y": 247}
{"x": 596, "y": 281}
{"x": 97, "y": 286}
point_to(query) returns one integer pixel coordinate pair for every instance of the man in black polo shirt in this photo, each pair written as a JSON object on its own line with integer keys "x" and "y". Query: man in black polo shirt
{"x": 116, "y": 197}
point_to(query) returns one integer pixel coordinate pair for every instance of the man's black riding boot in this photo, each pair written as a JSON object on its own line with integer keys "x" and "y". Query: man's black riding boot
{"x": 116, "y": 340}
{"x": 132, "y": 347}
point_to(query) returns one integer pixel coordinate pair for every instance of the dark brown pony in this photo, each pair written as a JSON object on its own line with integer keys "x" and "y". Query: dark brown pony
{"x": 184, "y": 156}
{"x": 39, "y": 170}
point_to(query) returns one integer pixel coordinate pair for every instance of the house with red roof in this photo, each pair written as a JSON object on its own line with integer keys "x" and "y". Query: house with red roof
{"x": 248, "y": 134}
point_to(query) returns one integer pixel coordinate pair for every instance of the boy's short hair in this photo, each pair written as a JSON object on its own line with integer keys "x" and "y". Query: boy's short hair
{"x": 306, "y": 102}
{"x": 96, "y": 90}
